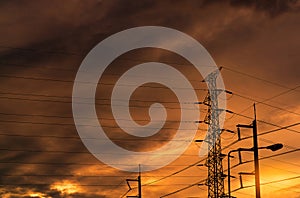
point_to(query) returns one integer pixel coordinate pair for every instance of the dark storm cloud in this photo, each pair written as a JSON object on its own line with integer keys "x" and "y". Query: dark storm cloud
{"x": 39, "y": 25}
{"x": 272, "y": 7}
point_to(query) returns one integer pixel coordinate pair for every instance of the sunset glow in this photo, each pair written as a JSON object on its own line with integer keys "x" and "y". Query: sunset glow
{"x": 39, "y": 195}
{"x": 101, "y": 97}
{"x": 66, "y": 187}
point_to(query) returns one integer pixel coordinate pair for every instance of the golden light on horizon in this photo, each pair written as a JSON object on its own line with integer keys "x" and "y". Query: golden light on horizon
{"x": 35, "y": 194}
{"x": 66, "y": 187}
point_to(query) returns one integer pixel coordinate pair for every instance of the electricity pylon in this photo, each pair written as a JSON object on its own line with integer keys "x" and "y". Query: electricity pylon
{"x": 215, "y": 179}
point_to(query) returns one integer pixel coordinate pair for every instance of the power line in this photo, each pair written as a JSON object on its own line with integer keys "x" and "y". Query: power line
{"x": 168, "y": 62}
{"x": 270, "y": 156}
{"x": 100, "y": 118}
{"x": 87, "y": 185}
{"x": 204, "y": 180}
{"x": 71, "y": 124}
{"x": 98, "y": 104}
{"x": 261, "y": 158}
{"x": 150, "y": 183}
{"x": 48, "y": 184}
{"x": 78, "y": 138}
{"x": 164, "y": 87}
{"x": 268, "y": 123}
{"x": 269, "y": 141}
{"x": 276, "y": 188}
{"x": 266, "y": 132}
{"x": 182, "y": 189}
{"x": 84, "y": 54}
{"x": 280, "y": 94}
{"x": 99, "y": 83}
{"x": 285, "y": 162}
{"x": 97, "y": 99}
{"x": 103, "y": 126}
{"x": 106, "y": 74}
{"x": 260, "y": 79}
{"x": 92, "y": 176}
{"x": 79, "y": 152}
{"x": 262, "y": 102}
{"x": 74, "y": 164}
{"x": 288, "y": 129}
{"x": 196, "y": 163}
{"x": 142, "y": 60}
{"x": 271, "y": 182}
{"x": 126, "y": 193}
{"x": 269, "y": 82}
{"x": 130, "y": 59}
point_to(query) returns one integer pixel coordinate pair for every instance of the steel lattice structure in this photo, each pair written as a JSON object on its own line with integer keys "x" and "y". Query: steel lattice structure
{"x": 215, "y": 179}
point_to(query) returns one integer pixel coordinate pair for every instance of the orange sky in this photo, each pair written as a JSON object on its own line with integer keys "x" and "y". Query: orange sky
{"x": 43, "y": 43}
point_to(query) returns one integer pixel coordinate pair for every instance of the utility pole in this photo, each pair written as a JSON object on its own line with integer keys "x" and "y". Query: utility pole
{"x": 139, "y": 181}
{"x": 255, "y": 151}
{"x": 215, "y": 180}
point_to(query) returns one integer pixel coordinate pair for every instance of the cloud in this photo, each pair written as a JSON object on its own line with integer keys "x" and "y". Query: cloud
{"x": 49, "y": 40}
{"x": 272, "y": 7}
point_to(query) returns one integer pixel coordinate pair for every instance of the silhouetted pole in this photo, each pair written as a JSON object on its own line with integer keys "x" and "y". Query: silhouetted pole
{"x": 140, "y": 182}
{"x": 255, "y": 150}
{"x": 228, "y": 172}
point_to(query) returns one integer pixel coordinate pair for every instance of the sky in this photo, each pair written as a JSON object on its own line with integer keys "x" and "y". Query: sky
{"x": 43, "y": 43}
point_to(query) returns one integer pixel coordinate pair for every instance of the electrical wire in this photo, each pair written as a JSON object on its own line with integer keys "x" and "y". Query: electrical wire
{"x": 98, "y": 104}
{"x": 125, "y": 193}
{"x": 100, "y": 118}
{"x": 269, "y": 123}
{"x": 263, "y": 102}
{"x": 99, "y": 83}
{"x": 91, "y": 176}
{"x": 77, "y": 138}
{"x": 96, "y": 99}
{"x": 202, "y": 160}
{"x": 182, "y": 189}
{"x": 270, "y": 182}
{"x": 71, "y": 124}
{"x": 86, "y": 185}
{"x": 234, "y": 166}
{"x": 82, "y": 152}
{"x": 272, "y": 187}
{"x": 82, "y": 54}
{"x": 260, "y": 79}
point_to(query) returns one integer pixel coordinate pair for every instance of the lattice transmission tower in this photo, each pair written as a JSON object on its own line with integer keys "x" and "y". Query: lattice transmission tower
{"x": 215, "y": 179}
